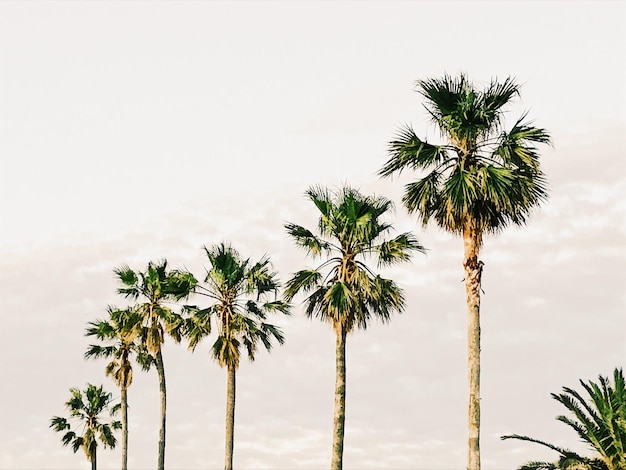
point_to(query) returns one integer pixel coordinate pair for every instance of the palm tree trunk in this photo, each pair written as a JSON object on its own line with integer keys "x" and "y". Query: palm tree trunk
{"x": 93, "y": 457}
{"x": 124, "y": 429}
{"x": 340, "y": 399}
{"x": 472, "y": 241}
{"x": 161, "y": 371}
{"x": 230, "y": 417}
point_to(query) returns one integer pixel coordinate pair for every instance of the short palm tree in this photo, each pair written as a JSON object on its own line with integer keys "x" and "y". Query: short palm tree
{"x": 154, "y": 289}
{"x": 600, "y": 422}
{"x": 241, "y": 294}
{"x": 481, "y": 180}
{"x": 343, "y": 290}
{"x": 120, "y": 337}
{"x": 88, "y": 407}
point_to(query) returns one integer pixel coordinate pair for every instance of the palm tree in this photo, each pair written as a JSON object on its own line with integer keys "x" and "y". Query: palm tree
{"x": 600, "y": 422}
{"x": 349, "y": 294}
{"x": 240, "y": 294}
{"x": 157, "y": 286}
{"x": 88, "y": 409}
{"x": 120, "y": 334}
{"x": 482, "y": 180}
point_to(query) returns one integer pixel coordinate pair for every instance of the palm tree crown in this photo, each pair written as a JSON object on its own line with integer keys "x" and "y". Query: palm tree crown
{"x": 119, "y": 336}
{"x": 483, "y": 174}
{"x": 239, "y": 290}
{"x": 156, "y": 287}
{"x": 87, "y": 407}
{"x": 599, "y": 421}
{"x": 350, "y": 227}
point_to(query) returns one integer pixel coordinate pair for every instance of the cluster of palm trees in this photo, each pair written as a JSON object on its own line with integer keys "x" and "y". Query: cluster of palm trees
{"x": 483, "y": 178}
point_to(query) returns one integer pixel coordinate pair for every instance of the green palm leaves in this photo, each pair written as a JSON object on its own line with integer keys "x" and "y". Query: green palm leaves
{"x": 600, "y": 421}
{"x": 343, "y": 290}
{"x": 154, "y": 289}
{"x": 243, "y": 294}
{"x": 120, "y": 337}
{"x": 87, "y": 407}
{"x": 483, "y": 173}
{"x": 349, "y": 293}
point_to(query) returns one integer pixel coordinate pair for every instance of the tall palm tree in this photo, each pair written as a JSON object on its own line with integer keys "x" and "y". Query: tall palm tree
{"x": 600, "y": 422}
{"x": 154, "y": 288}
{"x": 343, "y": 290}
{"x": 87, "y": 407}
{"x": 481, "y": 180}
{"x": 240, "y": 291}
{"x": 120, "y": 335}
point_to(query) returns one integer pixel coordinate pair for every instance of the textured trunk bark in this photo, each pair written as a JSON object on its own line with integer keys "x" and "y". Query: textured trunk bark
{"x": 161, "y": 371}
{"x": 93, "y": 459}
{"x": 124, "y": 429}
{"x": 340, "y": 399}
{"x": 230, "y": 418}
{"x": 472, "y": 241}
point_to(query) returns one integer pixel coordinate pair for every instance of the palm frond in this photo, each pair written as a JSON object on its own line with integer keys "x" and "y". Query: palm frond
{"x": 597, "y": 422}
{"x": 398, "y": 249}
{"x": 423, "y": 196}
{"x": 198, "y": 325}
{"x": 560, "y": 450}
{"x": 304, "y": 238}
{"x": 517, "y": 148}
{"x": 304, "y": 280}
{"x": 278, "y": 306}
{"x": 97, "y": 351}
{"x": 59, "y": 424}
{"x": 226, "y": 351}
{"x": 407, "y": 151}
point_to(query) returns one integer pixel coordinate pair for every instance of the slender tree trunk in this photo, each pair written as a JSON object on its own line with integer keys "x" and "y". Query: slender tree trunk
{"x": 161, "y": 371}
{"x": 93, "y": 457}
{"x": 124, "y": 429}
{"x": 340, "y": 399}
{"x": 472, "y": 241}
{"x": 230, "y": 417}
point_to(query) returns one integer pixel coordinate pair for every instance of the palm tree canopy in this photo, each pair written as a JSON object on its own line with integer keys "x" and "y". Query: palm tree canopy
{"x": 241, "y": 292}
{"x": 483, "y": 173}
{"x": 87, "y": 407}
{"x": 599, "y": 421}
{"x": 156, "y": 286}
{"x": 120, "y": 339}
{"x": 351, "y": 230}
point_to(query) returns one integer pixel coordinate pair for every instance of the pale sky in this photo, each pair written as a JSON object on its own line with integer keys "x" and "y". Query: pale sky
{"x": 134, "y": 131}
